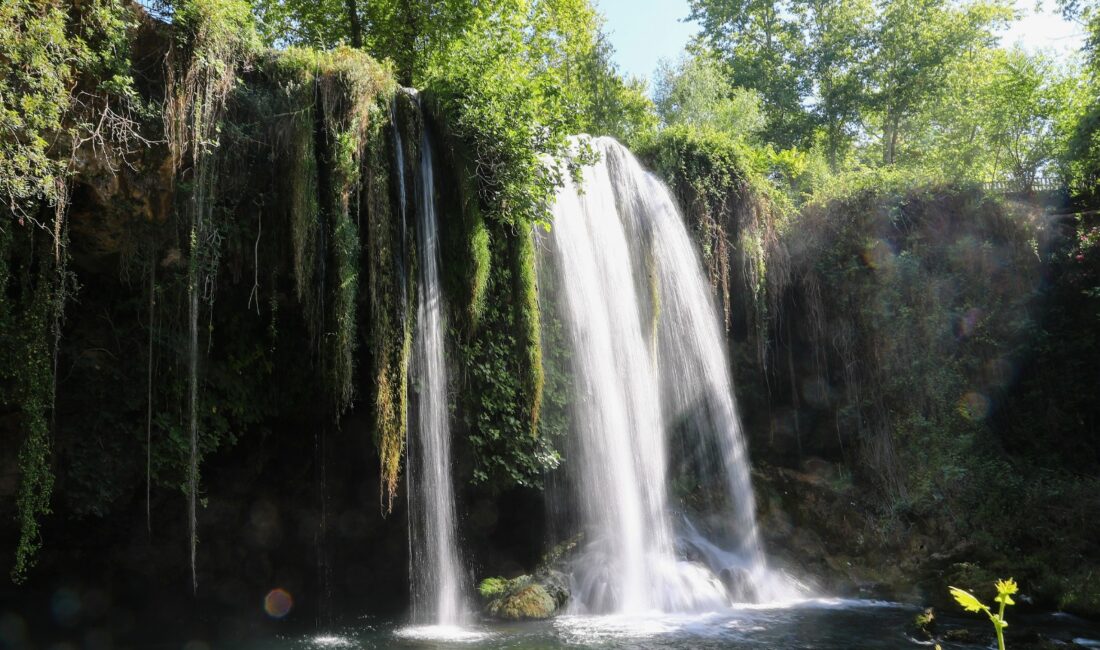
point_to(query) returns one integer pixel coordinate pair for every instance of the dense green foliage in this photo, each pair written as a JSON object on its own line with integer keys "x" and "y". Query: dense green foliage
{"x": 920, "y": 86}
{"x": 64, "y": 89}
{"x": 501, "y": 393}
{"x": 696, "y": 93}
{"x": 66, "y": 85}
{"x": 27, "y": 285}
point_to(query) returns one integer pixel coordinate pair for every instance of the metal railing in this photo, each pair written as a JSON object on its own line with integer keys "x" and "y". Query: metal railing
{"x": 1044, "y": 183}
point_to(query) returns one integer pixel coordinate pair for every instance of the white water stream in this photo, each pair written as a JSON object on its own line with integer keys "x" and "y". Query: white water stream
{"x": 438, "y": 579}
{"x": 648, "y": 355}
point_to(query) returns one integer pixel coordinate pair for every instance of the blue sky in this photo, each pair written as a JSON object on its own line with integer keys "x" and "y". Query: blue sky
{"x": 646, "y": 31}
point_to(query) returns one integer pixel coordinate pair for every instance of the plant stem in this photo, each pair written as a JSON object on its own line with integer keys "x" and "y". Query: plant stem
{"x": 1000, "y": 626}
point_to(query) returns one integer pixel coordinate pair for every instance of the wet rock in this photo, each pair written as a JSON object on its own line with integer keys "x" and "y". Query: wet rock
{"x": 525, "y": 598}
{"x": 961, "y": 635}
{"x": 924, "y": 625}
{"x": 556, "y": 584}
{"x": 527, "y": 603}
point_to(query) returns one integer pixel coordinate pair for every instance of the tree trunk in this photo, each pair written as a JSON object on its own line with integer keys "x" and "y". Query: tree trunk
{"x": 890, "y": 139}
{"x": 354, "y": 25}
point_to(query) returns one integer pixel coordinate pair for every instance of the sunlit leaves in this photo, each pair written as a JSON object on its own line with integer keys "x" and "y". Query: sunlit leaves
{"x": 1005, "y": 589}
{"x": 967, "y": 600}
{"x": 696, "y": 92}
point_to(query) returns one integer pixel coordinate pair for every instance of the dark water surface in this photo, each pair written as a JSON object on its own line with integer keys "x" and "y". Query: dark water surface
{"x": 819, "y": 625}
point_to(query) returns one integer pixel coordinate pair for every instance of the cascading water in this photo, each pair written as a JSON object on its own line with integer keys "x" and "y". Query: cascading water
{"x": 438, "y": 585}
{"x": 648, "y": 357}
{"x": 696, "y": 387}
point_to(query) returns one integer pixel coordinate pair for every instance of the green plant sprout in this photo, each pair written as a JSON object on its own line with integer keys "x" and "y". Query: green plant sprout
{"x": 1005, "y": 589}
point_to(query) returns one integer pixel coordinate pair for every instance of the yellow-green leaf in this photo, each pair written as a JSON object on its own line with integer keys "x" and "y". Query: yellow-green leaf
{"x": 1007, "y": 587}
{"x": 967, "y": 600}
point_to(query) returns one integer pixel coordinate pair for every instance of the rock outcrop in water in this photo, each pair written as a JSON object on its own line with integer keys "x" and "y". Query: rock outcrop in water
{"x": 527, "y": 597}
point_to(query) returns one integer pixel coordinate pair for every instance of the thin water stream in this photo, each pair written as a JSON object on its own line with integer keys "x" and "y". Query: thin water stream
{"x": 438, "y": 583}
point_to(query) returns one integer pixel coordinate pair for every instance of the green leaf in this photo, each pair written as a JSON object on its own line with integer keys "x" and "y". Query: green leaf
{"x": 1007, "y": 588}
{"x": 967, "y": 600}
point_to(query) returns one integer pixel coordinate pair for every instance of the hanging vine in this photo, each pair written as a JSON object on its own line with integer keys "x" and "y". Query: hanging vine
{"x": 215, "y": 37}
{"x": 27, "y": 283}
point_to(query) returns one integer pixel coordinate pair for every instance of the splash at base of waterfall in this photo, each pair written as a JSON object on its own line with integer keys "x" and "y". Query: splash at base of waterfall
{"x": 700, "y": 577}
{"x": 441, "y": 634}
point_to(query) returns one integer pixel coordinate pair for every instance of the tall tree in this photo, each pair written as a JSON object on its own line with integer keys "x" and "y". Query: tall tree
{"x": 839, "y": 36}
{"x": 1036, "y": 102}
{"x": 762, "y": 44}
{"x": 355, "y": 28}
{"x": 914, "y": 43}
{"x": 696, "y": 92}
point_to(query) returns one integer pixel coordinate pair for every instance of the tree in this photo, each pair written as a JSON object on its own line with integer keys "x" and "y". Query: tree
{"x": 695, "y": 92}
{"x": 913, "y": 46}
{"x": 839, "y": 33}
{"x": 315, "y": 23}
{"x": 761, "y": 43}
{"x": 1035, "y": 102}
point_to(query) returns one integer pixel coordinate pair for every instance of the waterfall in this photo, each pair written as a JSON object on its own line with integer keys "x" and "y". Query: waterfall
{"x": 649, "y": 357}
{"x": 438, "y": 584}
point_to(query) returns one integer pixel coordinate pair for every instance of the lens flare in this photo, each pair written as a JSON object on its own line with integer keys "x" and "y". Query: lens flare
{"x": 974, "y": 406}
{"x": 277, "y": 603}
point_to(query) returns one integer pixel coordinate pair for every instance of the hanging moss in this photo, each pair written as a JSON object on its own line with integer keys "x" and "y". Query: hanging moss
{"x": 350, "y": 89}
{"x": 332, "y": 128}
{"x": 528, "y": 321}
{"x": 293, "y": 72}
{"x": 215, "y": 37}
{"x": 389, "y": 328}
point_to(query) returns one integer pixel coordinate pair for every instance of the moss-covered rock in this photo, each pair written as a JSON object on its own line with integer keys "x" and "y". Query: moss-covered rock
{"x": 526, "y": 603}
{"x": 525, "y": 598}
